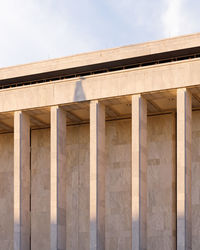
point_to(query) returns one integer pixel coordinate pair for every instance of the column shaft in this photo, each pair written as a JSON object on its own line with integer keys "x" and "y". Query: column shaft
{"x": 21, "y": 181}
{"x": 184, "y": 136}
{"x": 139, "y": 175}
{"x": 58, "y": 179}
{"x": 97, "y": 176}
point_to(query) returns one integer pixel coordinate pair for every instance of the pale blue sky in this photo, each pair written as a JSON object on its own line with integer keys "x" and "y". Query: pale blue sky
{"x": 33, "y": 30}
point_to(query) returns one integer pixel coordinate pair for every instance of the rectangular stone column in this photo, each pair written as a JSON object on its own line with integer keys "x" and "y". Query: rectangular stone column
{"x": 21, "y": 181}
{"x": 184, "y": 137}
{"x": 58, "y": 179}
{"x": 97, "y": 176}
{"x": 139, "y": 173}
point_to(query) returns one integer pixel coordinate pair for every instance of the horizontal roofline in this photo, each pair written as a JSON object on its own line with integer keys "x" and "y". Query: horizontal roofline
{"x": 102, "y": 59}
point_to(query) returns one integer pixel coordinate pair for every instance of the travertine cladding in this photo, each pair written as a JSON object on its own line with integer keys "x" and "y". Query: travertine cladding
{"x": 161, "y": 174}
{"x": 6, "y": 191}
{"x": 102, "y": 56}
{"x": 184, "y": 166}
{"x": 77, "y": 180}
{"x": 195, "y": 180}
{"x": 139, "y": 173}
{"x": 161, "y": 205}
{"x": 40, "y": 189}
{"x": 158, "y": 77}
{"x": 22, "y": 216}
{"x": 58, "y": 179}
{"x": 97, "y": 176}
{"x": 118, "y": 185}
{"x": 172, "y": 209}
{"x": 161, "y": 208}
{"x": 161, "y": 218}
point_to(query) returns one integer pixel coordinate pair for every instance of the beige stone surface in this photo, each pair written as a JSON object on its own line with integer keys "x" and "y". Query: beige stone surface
{"x": 97, "y": 176}
{"x": 195, "y": 180}
{"x": 160, "y": 175}
{"x": 139, "y": 173}
{"x": 107, "y": 55}
{"x": 118, "y": 185}
{"x": 161, "y": 218}
{"x": 89, "y": 191}
{"x": 146, "y": 79}
{"x": 6, "y": 191}
{"x": 58, "y": 179}
{"x": 40, "y": 189}
{"x": 77, "y": 197}
{"x": 161, "y": 171}
{"x": 22, "y": 222}
{"x": 184, "y": 147}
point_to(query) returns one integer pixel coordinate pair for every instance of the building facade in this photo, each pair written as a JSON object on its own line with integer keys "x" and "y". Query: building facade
{"x": 102, "y": 150}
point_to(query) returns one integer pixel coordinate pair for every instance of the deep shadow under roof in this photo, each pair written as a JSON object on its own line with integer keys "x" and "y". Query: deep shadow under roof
{"x": 133, "y": 62}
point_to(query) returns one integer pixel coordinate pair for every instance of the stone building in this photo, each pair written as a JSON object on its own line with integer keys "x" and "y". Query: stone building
{"x": 102, "y": 150}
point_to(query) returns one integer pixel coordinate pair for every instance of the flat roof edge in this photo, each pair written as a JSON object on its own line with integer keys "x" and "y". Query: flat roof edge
{"x": 101, "y": 56}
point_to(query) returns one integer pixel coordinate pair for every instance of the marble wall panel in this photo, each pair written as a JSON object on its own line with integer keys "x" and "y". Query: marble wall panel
{"x": 161, "y": 172}
{"x": 160, "y": 175}
{"x": 6, "y": 191}
{"x": 40, "y": 189}
{"x": 77, "y": 181}
{"x": 161, "y": 220}
{"x": 118, "y": 186}
{"x": 195, "y": 180}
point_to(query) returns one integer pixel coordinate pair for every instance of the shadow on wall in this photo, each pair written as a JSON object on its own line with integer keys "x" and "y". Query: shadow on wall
{"x": 79, "y": 94}
{"x": 184, "y": 232}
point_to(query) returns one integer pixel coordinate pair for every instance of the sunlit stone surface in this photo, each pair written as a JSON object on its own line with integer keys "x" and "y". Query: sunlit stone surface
{"x": 101, "y": 151}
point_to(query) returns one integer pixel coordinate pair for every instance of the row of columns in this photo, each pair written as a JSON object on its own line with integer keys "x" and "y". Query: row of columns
{"x": 22, "y": 217}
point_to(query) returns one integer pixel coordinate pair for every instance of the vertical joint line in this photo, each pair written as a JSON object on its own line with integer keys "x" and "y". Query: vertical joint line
{"x": 97, "y": 167}
{"x": 57, "y": 166}
{"x": 139, "y": 109}
{"x": 20, "y": 173}
{"x": 185, "y": 156}
{"x": 30, "y": 185}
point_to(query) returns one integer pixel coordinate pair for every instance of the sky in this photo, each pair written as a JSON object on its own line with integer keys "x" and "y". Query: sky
{"x": 34, "y": 30}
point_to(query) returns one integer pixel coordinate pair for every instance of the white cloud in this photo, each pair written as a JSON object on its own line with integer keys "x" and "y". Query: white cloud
{"x": 172, "y": 17}
{"x": 179, "y": 18}
{"x": 142, "y": 17}
{"x": 34, "y": 30}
